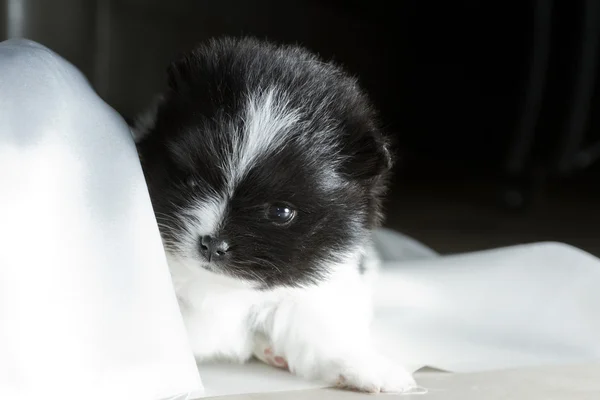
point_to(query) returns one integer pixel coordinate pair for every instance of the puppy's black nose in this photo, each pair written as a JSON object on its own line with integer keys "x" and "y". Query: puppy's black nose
{"x": 213, "y": 248}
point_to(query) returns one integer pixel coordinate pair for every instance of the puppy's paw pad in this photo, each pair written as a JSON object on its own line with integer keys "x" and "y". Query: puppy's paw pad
{"x": 273, "y": 360}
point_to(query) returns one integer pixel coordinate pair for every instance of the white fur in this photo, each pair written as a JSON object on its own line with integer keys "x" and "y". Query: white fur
{"x": 321, "y": 330}
{"x": 266, "y": 121}
{"x": 209, "y": 216}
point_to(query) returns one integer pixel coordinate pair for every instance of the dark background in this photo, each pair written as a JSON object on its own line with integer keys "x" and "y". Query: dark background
{"x": 492, "y": 105}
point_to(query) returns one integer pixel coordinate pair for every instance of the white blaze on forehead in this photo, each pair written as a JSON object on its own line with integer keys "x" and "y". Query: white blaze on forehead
{"x": 267, "y": 120}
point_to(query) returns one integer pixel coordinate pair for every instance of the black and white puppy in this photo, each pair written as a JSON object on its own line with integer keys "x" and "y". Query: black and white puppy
{"x": 266, "y": 169}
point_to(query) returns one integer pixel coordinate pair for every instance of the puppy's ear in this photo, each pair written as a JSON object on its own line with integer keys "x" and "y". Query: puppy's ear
{"x": 366, "y": 156}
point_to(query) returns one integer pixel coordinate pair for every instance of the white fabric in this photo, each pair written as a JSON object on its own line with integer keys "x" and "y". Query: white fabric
{"x": 520, "y": 306}
{"x": 87, "y": 308}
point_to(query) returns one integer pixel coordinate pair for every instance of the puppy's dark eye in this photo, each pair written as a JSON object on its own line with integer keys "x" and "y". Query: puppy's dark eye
{"x": 280, "y": 213}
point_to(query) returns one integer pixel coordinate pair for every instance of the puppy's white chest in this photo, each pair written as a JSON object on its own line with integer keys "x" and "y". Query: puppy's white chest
{"x": 216, "y": 314}
{"x": 218, "y": 325}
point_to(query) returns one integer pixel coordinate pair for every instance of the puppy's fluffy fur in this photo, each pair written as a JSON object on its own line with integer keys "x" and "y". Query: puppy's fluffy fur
{"x": 266, "y": 168}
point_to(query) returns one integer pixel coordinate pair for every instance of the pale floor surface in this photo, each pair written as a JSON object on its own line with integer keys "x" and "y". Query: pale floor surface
{"x": 578, "y": 382}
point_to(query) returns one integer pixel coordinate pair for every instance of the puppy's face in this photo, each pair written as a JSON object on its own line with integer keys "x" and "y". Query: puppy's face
{"x": 263, "y": 163}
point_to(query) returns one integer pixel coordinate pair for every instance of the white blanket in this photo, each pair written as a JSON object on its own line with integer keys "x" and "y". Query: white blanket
{"x": 87, "y": 309}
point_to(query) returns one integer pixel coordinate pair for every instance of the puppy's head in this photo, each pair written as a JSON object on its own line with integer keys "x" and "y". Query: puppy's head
{"x": 263, "y": 163}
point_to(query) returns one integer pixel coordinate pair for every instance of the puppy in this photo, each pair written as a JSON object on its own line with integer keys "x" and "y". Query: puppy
{"x": 266, "y": 169}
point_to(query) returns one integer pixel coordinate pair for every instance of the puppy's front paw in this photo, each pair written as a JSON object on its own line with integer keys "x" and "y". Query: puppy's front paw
{"x": 263, "y": 350}
{"x": 374, "y": 376}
